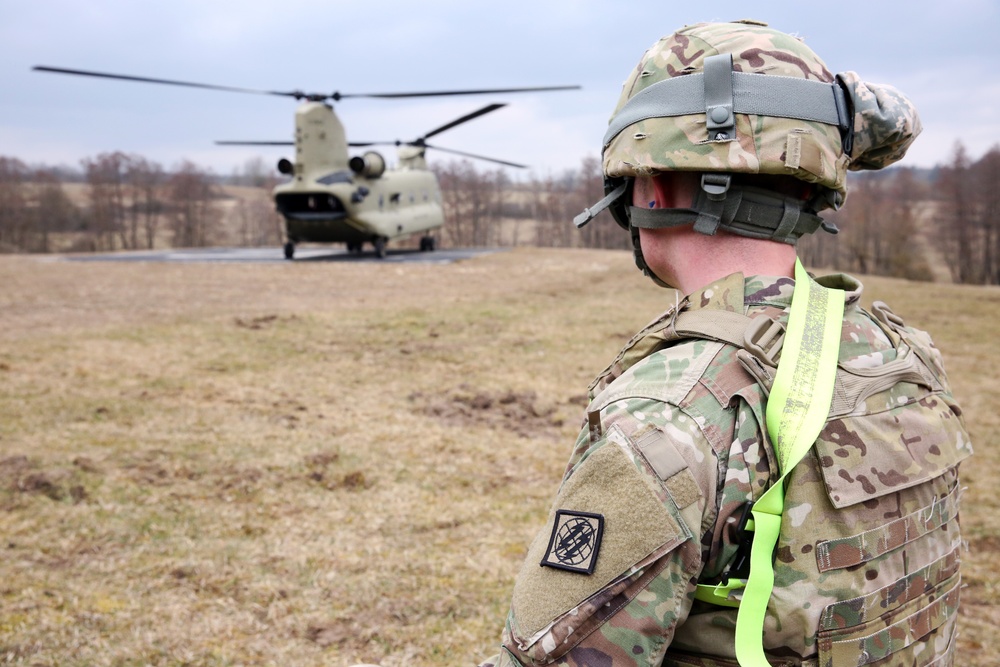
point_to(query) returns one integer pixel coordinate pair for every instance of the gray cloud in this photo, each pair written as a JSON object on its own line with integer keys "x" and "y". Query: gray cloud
{"x": 941, "y": 54}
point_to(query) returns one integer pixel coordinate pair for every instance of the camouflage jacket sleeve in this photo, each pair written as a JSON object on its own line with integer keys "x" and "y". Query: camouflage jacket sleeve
{"x": 612, "y": 573}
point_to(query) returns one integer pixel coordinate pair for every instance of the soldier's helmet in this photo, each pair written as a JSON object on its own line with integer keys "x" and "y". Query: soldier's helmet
{"x": 727, "y": 99}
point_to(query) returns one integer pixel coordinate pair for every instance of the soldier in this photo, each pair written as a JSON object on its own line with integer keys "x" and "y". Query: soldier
{"x": 768, "y": 473}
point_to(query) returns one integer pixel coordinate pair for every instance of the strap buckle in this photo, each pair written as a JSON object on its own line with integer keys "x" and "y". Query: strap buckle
{"x": 763, "y": 339}
{"x": 716, "y": 185}
{"x": 762, "y": 343}
{"x": 739, "y": 568}
{"x": 728, "y": 592}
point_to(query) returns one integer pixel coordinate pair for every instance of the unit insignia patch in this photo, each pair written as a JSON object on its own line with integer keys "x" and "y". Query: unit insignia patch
{"x": 575, "y": 541}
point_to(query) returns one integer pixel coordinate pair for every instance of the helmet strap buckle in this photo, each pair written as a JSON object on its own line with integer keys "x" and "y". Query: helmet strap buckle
{"x": 716, "y": 187}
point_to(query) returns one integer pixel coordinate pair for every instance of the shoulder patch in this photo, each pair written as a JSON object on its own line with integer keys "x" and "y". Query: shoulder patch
{"x": 638, "y": 522}
{"x": 575, "y": 541}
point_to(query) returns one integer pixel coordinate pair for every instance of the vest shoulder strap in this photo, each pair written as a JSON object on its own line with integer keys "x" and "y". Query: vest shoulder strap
{"x": 722, "y": 325}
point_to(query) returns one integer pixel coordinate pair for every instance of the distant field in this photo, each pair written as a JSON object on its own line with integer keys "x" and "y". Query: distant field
{"x": 306, "y": 464}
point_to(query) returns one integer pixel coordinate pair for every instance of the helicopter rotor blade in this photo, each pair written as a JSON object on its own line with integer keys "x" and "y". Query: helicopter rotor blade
{"x": 352, "y": 144}
{"x": 447, "y": 126}
{"x": 420, "y": 144}
{"x": 170, "y": 82}
{"x": 254, "y": 143}
{"x": 477, "y": 157}
{"x": 464, "y": 119}
{"x": 297, "y": 94}
{"x": 443, "y": 93}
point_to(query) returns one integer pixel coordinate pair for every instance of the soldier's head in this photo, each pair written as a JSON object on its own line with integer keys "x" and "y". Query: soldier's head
{"x": 754, "y": 125}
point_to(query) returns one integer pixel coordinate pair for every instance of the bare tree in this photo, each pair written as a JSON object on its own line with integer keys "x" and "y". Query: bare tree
{"x": 878, "y": 230}
{"x": 863, "y": 239}
{"x": 500, "y": 183}
{"x": 823, "y": 249}
{"x": 107, "y": 182}
{"x": 257, "y": 221}
{"x": 144, "y": 179}
{"x": 566, "y": 205}
{"x": 955, "y": 216}
{"x": 51, "y": 211}
{"x": 191, "y": 194}
{"x": 14, "y": 219}
{"x": 255, "y": 173}
{"x": 450, "y": 181}
{"x": 544, "y": 212}
{"x": 907, "y": 255}
{"x": 465, "y": 202}
{"x": 986, "y": 179}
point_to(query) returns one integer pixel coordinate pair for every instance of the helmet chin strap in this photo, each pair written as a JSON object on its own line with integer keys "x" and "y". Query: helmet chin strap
{"x": 719, "y": 203}
{"x": 738, "y": 209}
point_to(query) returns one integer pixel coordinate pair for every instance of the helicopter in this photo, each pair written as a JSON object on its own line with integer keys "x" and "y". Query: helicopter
{"x": 333, "y": 197}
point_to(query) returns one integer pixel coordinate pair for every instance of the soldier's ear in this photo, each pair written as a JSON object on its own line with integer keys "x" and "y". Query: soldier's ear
{"x": 885, "y": 122}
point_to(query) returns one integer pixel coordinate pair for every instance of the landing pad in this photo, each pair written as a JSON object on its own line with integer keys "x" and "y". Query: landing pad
{"x": 276, "y": 254}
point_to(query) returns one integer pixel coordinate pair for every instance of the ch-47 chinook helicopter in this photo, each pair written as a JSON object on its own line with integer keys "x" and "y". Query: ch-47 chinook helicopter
{"x": 331, "y": 197}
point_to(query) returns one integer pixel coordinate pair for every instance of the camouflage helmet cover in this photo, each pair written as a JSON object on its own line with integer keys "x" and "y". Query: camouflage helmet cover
{"x": 883, "y": 125}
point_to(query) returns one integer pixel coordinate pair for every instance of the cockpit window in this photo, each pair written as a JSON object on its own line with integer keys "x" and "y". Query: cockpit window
{"x": 336, "y": 177}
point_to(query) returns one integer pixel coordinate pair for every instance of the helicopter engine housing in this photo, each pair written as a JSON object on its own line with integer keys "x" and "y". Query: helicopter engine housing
{"x": 369, "y": 165}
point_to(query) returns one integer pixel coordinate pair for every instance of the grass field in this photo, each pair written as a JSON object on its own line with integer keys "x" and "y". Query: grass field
{"x": 323, "y": 463}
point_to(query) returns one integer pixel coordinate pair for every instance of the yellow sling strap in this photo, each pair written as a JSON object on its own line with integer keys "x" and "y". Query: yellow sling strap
{"x": 797, "y": 408}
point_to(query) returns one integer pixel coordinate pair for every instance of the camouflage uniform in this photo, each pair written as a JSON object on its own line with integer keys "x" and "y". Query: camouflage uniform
{"x": 866, "y": 568}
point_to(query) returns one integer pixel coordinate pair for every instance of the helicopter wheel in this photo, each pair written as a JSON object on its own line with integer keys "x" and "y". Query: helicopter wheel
{"x": 354, "y": 248}
{"x": 427, "y": 243}
{"x": 379, "y": 244}
{"x": 289, "y": 250}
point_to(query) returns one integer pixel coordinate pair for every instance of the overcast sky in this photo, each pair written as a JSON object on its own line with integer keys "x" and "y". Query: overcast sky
{"x": 944, "y": 55}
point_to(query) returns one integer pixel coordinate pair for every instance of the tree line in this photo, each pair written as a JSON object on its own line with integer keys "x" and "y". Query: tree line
{"x": 940, "y": 224}
{"x": 128, "y": 203}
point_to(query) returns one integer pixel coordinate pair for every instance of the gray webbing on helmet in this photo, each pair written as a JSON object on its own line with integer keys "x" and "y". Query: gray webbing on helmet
{"x": 719, "y": 118}
{"x": 745, "y": 210}
{"x": 759, "y": 94}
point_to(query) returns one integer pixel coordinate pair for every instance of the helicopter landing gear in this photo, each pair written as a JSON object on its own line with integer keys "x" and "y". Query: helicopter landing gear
{"x": 289, "y": 250}
{"x": 354, "y": 248}
{"x": 427, "y": 243}
{"x": 379, "y": 244}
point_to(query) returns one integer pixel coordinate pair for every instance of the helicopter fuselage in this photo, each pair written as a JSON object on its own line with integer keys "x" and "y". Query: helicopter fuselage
{"x": 349, "y": 208}
{"x": 333, "y": 198}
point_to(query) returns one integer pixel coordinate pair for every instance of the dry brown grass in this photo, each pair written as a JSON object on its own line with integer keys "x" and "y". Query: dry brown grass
{"x": 310, "y": 463}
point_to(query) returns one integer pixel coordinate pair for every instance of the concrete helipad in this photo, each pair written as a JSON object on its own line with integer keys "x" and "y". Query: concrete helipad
{"x": 275, "y": 254}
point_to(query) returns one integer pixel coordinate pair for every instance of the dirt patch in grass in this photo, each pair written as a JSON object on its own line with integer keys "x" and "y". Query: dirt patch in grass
{"x": 515, "y": 412}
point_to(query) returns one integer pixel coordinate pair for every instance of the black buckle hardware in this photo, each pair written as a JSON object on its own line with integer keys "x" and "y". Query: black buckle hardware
{"x": 740, "y": 567}
{"x": 763, "y": 339}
